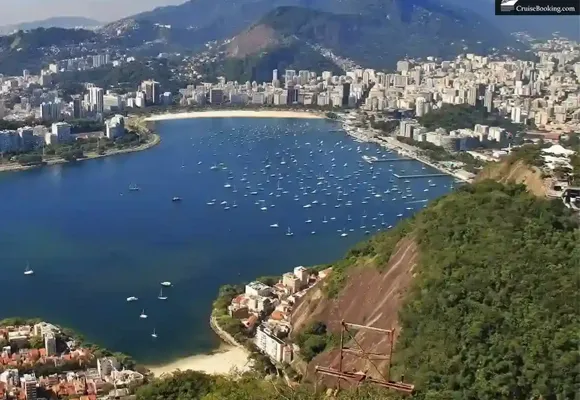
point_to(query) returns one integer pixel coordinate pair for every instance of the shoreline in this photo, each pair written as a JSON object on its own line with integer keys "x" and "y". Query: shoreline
{"x": 223, "y": 361}
{"x": 15, "y": 167}
{"x": 402, "y": 149}
{"x": 229, "y": 357}
{"x": 236, "y": 114}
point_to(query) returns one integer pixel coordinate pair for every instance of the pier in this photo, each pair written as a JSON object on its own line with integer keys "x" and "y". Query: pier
{"x": 373, "y": 159}
{"x": 419, "y": 176}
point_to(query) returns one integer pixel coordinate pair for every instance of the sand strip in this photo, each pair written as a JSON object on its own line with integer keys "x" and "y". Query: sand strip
{"x": 222, "y": 361}
{"x": 237, "y": 114}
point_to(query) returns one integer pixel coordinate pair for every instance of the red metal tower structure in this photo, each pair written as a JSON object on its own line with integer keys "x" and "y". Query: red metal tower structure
{"x": 360, "y": 377}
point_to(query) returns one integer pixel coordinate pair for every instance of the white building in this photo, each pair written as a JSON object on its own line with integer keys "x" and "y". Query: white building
{"x": 258, "y": 289}
{"x": 29, "y": 385}
{"x": 115, "y": 127}
{"x": 96, "y": 99}
{"x": 61, "y": 130}
{"x": 269, "y": 344}
{"x": 106, "y": 366}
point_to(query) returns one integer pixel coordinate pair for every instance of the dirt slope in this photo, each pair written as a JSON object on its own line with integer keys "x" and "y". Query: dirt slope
{"x": 258, "y": 38}
{"x": 370, "y": 298}
{"x": 517, "y": 172}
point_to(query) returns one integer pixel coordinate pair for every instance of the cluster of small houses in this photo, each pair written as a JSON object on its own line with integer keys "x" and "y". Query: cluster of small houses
{"x": 106, "y": 381}
{"x": 267, "y": 310}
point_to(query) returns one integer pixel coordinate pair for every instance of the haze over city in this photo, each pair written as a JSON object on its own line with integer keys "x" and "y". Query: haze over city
{"x": 100, "y": 10}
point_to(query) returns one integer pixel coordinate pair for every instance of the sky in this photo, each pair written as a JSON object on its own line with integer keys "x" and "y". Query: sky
{"x": 17, "y": 11}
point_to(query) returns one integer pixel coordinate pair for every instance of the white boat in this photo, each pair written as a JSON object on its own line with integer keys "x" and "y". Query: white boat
{"x": 399, "y": 215}
{"x": 308, "y": 221}
{"x": 274, "y": 226}
{"x": 166, "y": 284}
{"x": 289, "y": 233}
{"x": 143, "y": 315}
{"x": 134, "y": 188}
{"x": 214, "y": 167}
{"x": 28, "y": 270}
{"x": 154, "y": 335}
{"x": 264, "y": 208}
{"x": 176, "y": 199}
{"x": 161, "y": 296}
{"x": 132, "y": 298}
{"x": 307, "y": 206}
{"x": 227, "y": 186}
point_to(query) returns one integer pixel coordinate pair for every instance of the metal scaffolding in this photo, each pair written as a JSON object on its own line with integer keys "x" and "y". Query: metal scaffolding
{"x": 360, "y": 377}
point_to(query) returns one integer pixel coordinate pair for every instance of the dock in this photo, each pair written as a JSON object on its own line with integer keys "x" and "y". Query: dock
{"x": 419, "y": 176}
{"x": 373, "y": 159}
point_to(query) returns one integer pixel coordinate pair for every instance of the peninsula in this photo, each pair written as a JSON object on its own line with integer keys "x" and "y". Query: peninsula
{"x": 60, "y": 145}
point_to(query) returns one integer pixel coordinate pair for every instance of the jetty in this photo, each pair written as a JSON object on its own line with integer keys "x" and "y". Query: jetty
{"x": 419, "y": 176}
{"x": 373, "y": 159}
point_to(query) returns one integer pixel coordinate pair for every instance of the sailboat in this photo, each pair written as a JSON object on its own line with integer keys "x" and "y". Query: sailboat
{"x": 289, "y": 233}
{"x": 28, "y": 270}
{"x": 154, "y": 335}
{"x": 134, "y": 188}
{"x": 143, "y": 315}
{"x": 161, "y": 297}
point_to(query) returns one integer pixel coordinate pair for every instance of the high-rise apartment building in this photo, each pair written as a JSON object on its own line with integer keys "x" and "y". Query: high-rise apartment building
{"x": 29, "y": 386}
{"x": 488, "y": 99}
{"x": 50, "y": 344}
{"x": 61, "y": 130}
{"x": 96, "y": 101}
{"x": 152, "y": 90}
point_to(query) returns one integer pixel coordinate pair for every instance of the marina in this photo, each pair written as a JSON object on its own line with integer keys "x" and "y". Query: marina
{"x": 253, "y": 197}
{"x": 419, "y": 176}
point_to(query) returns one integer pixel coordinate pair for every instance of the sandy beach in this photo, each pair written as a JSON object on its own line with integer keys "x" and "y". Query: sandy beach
{"x": 237, "y": 114}
{"x": 223, "y": 361}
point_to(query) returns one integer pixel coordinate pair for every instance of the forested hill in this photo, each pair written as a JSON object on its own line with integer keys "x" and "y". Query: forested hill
{"x": 491, "y": 312}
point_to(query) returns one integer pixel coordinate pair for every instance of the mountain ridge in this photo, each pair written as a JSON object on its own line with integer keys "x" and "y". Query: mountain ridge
{"x": 411, "y": 31}
{"x": 53, "y": 22}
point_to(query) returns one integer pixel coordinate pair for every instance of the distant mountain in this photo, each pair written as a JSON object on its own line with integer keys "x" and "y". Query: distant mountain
{"x": 541, "y": 26}
{"x": 55, "y": 22}
{"x": 395, "y": 30}
{"x": 375, "y": 32}
{"x": 198, "y": 14}
{"x": 28, "y": 49}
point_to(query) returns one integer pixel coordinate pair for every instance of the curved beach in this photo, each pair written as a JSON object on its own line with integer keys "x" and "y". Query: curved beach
{"x": 225, "y": 360}
{"x": 236, "y": 114}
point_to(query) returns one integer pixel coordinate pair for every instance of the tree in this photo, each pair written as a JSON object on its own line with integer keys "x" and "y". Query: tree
{"x": 36, "y": 342}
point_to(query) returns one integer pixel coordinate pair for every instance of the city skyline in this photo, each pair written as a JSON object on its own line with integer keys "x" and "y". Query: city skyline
{"x": 100, "y": 10}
